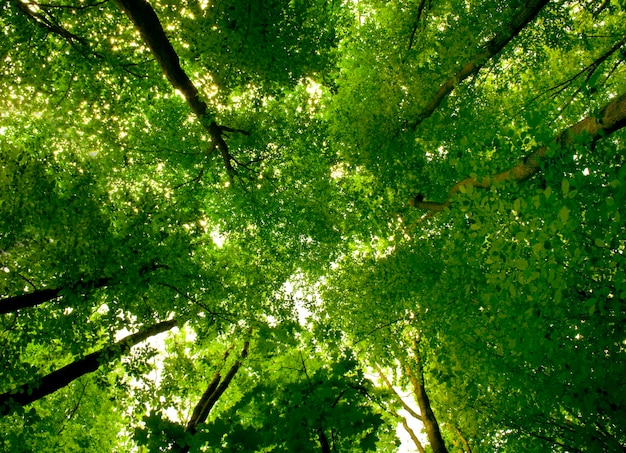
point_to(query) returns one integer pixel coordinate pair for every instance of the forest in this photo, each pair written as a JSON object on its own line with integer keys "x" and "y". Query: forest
{"x": 312, "y": 226}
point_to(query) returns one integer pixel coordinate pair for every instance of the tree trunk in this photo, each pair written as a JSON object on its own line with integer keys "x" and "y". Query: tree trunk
{"x": 214, "y": 390}
{"x": 324, "y": 444}
{"x": 489, "y": 50}
{"x": 14, "y": 303}
{"x": 589, "y": 130}
{"x": 38, "y": 388}
{"x": 428, "y": 417}
{"x": 38, "y": 297}
{"x": 405, "y": 406}
{"x": 197, "y": 416}
{"x": 147, "y": 22}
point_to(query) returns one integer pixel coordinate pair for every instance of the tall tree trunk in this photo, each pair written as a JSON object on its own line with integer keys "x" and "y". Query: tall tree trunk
{"x": 38, "y": 388}
{"x": 609, "y": 119}
{"x": 492, "y": 48}
{"x": 406, "y": 407}
{"x": 211, "y": 395}
{"x": 428, "y": 417}
{"x": 323, "y": 439}
{"x": 147, "y": 22}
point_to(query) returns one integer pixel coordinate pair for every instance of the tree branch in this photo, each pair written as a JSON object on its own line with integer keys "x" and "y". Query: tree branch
{"x": 50, "y": 383}
{"x": 29, "y": 9}
{"x": 213, "y": 392}
{"x": 38, "y": 14}
{"x": 489, "y": 50}
{"x": 466, "y": 445}
{"x": 398, "y": 397}
{"x": 149, "y": 26}
{"x": 609, "y": 119}
{"x": 409, "y": 430}
{"x": 589, "y": 70}
{"x": 38, "y": 297}
{"x": 420, "y": 9}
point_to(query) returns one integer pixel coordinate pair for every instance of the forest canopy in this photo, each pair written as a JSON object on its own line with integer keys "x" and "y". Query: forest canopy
{"x": 312, "y": 226}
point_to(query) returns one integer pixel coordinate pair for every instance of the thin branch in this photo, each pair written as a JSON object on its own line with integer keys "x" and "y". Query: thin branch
{"x": 67, "y": 90}
{"x": 46, "y": 20}
{"x": 412, "y": 435}
{"x": 464, "y": 441}
{"x": 73, "y": 7}
{"x": 420, "y": 9}
{"x": 47, "y": 23}
{"x": 589, "y": 70}
{"x": 69, "y": 416}
{"x": 407, "y": 428}
{"x": 196, "y": 179}
{"x": 377, "y": 328}
{"x": 304, "y": 366}
{"x": 197, "y": 302}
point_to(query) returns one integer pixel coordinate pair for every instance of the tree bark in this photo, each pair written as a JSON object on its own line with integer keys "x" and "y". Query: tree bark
{"x": 323, "y": 440}
{"x": 412, "y": 435}
{"x": 609, "y": 119}
{"x": 38, "y": 297}
{"x": 489, "y": 50}
{"x": 214, "y": 391}
{"x": 15, "y": 303}
{"x": 147, "y": 22}
{"x": 398, "y": 397}
{"x": 50, "y": 383}
{"x": 198, "y": 412}
{"x": 428, "y": 417}
{"x": 466, "y": 445}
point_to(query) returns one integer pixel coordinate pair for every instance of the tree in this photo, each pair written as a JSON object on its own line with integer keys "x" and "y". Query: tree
{"x": 34, "y": 390}
{"x": 340, "y": 178}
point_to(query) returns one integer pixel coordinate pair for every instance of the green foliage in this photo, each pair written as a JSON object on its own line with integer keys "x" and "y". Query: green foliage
{"x": 301, "y": 397}
{"x": 79, "y": 418}
{"x": 113, "y": 195}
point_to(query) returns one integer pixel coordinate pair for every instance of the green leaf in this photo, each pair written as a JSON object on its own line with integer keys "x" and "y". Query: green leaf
{"x": 565, "y": 186}
{"x": 521, "y": 264}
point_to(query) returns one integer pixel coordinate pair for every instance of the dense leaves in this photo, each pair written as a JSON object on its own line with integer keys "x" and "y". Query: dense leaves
{"x": 429, "y": 191}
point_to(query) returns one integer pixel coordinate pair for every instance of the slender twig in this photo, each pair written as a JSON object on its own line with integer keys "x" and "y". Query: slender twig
{"x": 196, "y": 179}
{"x": 73, "y": 7}
{"x": 420, "y": 9}
{"x": 589, "y": 70}
{"x": 69, "y": 416}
